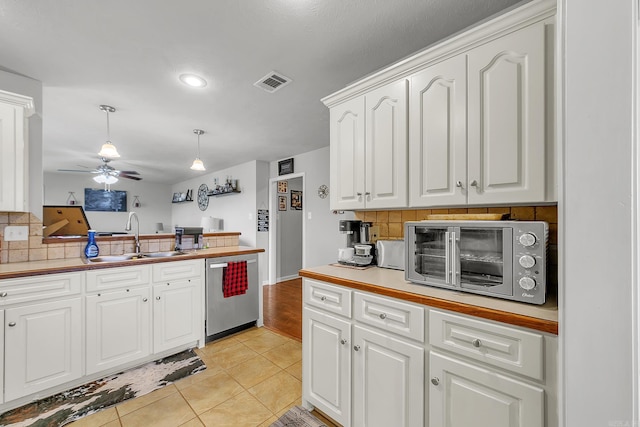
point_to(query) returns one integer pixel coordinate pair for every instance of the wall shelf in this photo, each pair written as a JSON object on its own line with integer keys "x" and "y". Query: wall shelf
{"x": 183, "y": 201}
{"x": 222, "y": 193}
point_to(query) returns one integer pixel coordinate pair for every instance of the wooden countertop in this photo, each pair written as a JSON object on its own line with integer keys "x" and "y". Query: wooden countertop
{"x": 34, "y": 268}
{"x": 391, "y": 283}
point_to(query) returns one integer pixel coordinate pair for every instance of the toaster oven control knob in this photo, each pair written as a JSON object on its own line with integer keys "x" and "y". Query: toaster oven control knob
{"x": 527, "y": 239}
{"x": 527, "y": 261}
{"x": 527, "y": 283}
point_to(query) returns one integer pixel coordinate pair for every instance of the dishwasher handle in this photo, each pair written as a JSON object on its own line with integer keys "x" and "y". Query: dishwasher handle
{"x": 224, "y": 264}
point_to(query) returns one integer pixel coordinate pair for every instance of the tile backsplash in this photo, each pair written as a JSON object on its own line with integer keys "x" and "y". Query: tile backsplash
{"x": 35, "y": 249}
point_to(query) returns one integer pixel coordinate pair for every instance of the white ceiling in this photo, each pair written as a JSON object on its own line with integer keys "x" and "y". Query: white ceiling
{"x": 129, "y": 53}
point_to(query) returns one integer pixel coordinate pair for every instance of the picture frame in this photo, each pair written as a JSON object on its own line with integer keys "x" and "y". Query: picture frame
{"x": 282, "y": 186}
{"x": 176, "y": 197}
{"x": 282, "y": 203}
{"x": 296, "y": 200}
{"x": 285, "y": 166}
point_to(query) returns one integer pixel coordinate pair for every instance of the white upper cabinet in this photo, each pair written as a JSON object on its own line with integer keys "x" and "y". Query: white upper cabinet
{"x": 369, "y": 150}
{"x": 507, "y": 119}
{"x": 438, "y": 134}
{"x": 14, "y": 172}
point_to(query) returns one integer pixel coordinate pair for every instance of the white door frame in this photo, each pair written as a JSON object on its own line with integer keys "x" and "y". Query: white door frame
{"x": 273, "y": 223}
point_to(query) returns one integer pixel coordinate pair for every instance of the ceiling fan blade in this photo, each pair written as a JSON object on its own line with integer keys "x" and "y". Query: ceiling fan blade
{"x": 124, "y": 175}
{"x": 75, "y": 170}
{"x": 130, "y": 172}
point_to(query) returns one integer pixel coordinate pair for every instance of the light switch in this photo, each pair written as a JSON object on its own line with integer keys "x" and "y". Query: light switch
{"x": 16, "y": 232}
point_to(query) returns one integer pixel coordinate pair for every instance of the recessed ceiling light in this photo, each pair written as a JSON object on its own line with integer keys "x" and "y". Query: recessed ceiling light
{"x": 192, "y": 80}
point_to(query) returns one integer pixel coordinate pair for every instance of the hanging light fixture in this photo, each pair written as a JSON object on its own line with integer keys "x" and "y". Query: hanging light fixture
{"x": 197, "y": 163}
{"x": 108, "y": 149}
{"x": 105, "y": 178}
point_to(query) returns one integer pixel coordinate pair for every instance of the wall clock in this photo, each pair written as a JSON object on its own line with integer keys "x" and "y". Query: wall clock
{"x": 323, "y": 191}
{"x": 203, "y": 197}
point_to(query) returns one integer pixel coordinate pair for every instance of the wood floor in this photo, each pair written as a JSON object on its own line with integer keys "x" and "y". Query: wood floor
{"x": 282, "y": 309}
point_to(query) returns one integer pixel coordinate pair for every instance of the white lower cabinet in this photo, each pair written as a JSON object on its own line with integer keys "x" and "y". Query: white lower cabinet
{"x": 118, "y": 328}
{"x": 42, "y": 346}
{"x": 388, "y": 380}
{"x": 176, "y": 318}
{"x": 464, "y": 394}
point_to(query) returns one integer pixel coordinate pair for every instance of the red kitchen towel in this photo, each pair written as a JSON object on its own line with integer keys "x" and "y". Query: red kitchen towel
{"x": 234, "y": 279}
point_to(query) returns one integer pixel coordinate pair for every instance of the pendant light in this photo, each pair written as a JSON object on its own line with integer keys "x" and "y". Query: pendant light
{"x": 197, "y": 163}
{"x": 108, "y": 149}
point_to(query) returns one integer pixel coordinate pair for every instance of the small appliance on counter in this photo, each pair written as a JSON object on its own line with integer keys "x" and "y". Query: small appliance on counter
{"x": 390, "y": 254}
{"x": 189, "y": 238}
{"x": 360, "y": 251}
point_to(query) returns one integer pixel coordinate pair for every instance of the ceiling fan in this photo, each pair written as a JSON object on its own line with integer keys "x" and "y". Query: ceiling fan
{"x": 105, "y": 172}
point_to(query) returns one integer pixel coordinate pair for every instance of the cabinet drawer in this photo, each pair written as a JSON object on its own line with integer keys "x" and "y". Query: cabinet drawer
{"x": 334, "y": 299}
{"x": 39, "y": 287}
{"x": 390, "y": 315}
{"x": 505, "y": 347}
{"x": 119, "y": 277}
{"x": 173, "y": 270}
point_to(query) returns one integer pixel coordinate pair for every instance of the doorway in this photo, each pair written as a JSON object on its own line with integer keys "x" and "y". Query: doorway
{"x": 286, "y": 235}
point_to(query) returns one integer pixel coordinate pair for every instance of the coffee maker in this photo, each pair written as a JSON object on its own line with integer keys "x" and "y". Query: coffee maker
{"x": 359, "y": 250}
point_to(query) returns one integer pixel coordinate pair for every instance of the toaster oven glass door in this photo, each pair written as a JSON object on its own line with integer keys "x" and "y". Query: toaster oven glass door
{"x": 484, "y": 259}
{"x": 432, "y": 255}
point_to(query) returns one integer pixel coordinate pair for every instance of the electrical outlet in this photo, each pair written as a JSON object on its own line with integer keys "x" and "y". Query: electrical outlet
{"x": 16, "y": 232}
{"x": 308, "y": 215}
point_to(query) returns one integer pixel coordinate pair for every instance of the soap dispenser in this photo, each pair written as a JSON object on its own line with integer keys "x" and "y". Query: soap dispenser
{"x": 91, "y": 250}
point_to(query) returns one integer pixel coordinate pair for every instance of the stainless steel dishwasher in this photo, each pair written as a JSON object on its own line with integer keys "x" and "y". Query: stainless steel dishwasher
{"x": 229, "y": 315}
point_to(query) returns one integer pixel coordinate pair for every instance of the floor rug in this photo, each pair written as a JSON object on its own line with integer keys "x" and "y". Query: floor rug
{"x": 63, "y": 408}
{"x": 298, "y": 417}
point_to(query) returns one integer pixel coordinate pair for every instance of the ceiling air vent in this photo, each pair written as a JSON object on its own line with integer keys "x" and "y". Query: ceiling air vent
{"x": 272, "y": 82}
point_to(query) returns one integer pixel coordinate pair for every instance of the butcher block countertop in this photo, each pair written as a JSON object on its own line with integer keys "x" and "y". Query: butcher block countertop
{"x": 34, "y": 268}
{"x": 391, "y": 283}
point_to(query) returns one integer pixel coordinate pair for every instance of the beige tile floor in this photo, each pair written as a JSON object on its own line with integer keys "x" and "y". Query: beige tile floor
{"x": 252, "y": 378}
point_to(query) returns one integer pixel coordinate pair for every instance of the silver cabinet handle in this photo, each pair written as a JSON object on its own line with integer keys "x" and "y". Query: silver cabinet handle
{"x": 383, "y": 316}
{"x": 3, "y": 294}
{"x": 343, "y": 341}
{"x": 157, "y": 298}
{"x": 356, "y": 347}
{"x": 474, "y": 183}
{"x": 12, "y": 324}
{"x": 435, "y": 380}
{"x": 368, "y": 193}
{"x": 476, "y": 343}
{"x": 459, "y": 184}
{"x": 221, "y": 265}
{"x": 358, "y": 194}
{"x": 144, "y": 300}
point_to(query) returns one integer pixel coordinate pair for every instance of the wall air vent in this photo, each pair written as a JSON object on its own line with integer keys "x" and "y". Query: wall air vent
{"x": 272, "y": 82}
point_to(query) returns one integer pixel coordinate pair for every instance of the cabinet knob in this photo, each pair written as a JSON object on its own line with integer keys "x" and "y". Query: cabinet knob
{"x": 144, "y": 300}
{"x": 358, "y": 194}
{"x": 356, "y": 347}
{"x": 12, "y": 324}
{"x": 383, "y": 316}
{"x": 158, "y": 298}
{"x": 459, "y": 184}
{"x": 343, "y": 341}
{"x": 323, "y": 298}
{"x": 3, "y": 294}
{"x": 367, "y": 193}
{"x": 474, "y": 183}
{"x": 435, "y": 380}
{"x": 476, "y": 343}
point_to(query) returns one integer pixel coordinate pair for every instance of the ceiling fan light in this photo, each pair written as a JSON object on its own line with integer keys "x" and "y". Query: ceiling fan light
{"x": 192, "y": 80}
{"x": 109, "y": 151}
{"x": 100, "y": 179}
{"x": 198, "y": 165}
{"x": 105, "y": 179}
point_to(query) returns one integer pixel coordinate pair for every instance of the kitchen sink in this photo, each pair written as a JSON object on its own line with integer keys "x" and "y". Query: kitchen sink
{"x": 126, "y": 257}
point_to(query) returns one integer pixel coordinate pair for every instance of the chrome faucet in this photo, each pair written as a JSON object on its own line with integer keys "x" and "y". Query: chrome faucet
{"x": 128, "y": 228}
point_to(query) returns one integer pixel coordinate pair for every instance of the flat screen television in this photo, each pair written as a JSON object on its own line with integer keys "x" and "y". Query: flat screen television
{"x": 105, "y": 201}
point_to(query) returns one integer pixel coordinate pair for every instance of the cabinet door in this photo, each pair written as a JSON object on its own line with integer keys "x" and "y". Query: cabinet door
{"x": 438, "y": 135}
{"x": 13, "y": 165}
{"x": 347, "y": 155}
{"x": 388, "y": 381}
{"x": 506, "y": 119}
{"x": 42, "y": 346}
{"x": 462, "y": 395}
{"x": 176, "y": 314}
{"x": 386, "y": 146}
{"x": 327, "y": 364}
{"x": 118, "y": 328}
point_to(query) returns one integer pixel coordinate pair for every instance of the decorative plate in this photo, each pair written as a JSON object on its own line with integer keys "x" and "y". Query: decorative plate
{"x": 323, "y": 191}
{"x": 203, "y": 197}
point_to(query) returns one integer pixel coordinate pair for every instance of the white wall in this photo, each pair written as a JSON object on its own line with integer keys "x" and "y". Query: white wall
{"x": 597, "y": 215}
{"x": 28, "y": 87}
{"x": 155, "y": 201}
{"x": 289, "y": 238}
{"x": 322, "y": 238}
